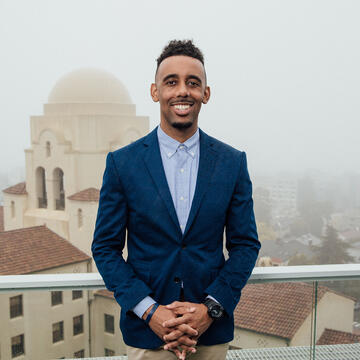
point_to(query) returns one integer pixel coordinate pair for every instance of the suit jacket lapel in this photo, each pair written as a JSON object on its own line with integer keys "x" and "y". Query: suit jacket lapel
{"x": 154, "y": 164}
{"x": 208, "y": 156}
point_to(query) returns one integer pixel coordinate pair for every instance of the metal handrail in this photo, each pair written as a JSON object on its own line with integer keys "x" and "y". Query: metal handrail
{"x": 93, "y": 281}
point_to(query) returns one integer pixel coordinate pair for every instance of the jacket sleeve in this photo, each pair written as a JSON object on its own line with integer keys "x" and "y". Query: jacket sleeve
{"x": 109, "y": 241}
{"x": 241, "y": 242}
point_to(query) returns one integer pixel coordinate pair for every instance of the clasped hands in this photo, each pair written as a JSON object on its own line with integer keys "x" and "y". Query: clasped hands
{"x": 180, "y": 324}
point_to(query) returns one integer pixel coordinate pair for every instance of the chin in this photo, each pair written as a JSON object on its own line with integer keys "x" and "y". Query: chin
{"x": 182, "y": 125}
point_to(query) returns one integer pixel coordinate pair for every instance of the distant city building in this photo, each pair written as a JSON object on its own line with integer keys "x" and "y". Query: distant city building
{"x": 282, "y": 193}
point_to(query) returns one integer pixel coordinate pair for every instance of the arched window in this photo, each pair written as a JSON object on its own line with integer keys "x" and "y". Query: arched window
{"x": 48, "y": 149}
{"x": 12, "y": 209}
{"x": 59, "y": 193}
{"x": 80, "y": 218}
{"x": 41, "y": 187}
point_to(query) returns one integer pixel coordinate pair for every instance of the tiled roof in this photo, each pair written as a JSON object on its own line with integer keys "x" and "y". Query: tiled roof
{"x": 1, "y": 218}
{"x": 33, "y": 249}
{"x": 18, "y": 189}
{"x": 105, "y": 293}
{"x": 90, "y": 194}
{"x": 277, "y": 309}
{"x": 333, "y": 337}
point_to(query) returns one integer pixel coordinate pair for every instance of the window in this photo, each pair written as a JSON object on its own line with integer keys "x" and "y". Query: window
{"x": 56, "y": 298}
{"x": 16, "y": 306}
{"x": 12, "y": 209}
{"x": 80, "y": 218}
{"x": 109, "y": 324}
{"x": 78, "y": 324}
{"x": 109, "y": 352}
{"x": 77, "y": 294}
{"x": 58, "y": 331}
{"x": 48, "y": 149}
{"x": 79, "y": 354}
{"x": 59, "y": 192}
{"x": 17, "y": 345}
{"x": 41, "y": 187}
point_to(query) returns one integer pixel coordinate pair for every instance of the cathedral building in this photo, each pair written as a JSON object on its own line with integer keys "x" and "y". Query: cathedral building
{"x": 48, "y": 221}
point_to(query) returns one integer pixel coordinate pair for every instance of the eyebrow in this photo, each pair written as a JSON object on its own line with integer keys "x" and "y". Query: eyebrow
{"x": 167, "y": 77}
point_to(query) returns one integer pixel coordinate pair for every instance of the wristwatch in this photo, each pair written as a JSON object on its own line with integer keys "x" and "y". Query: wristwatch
{"x": 215, "y": 310}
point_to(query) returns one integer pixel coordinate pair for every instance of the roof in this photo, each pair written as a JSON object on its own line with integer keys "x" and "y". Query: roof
{"x": 1, "y": 218}
{"x": 33, "y": 249}
{"x": 333, "y": 337}
{"x": 105, "y": 293}
{"x": 277, "y": 309}
{"x": 89, "y": 85}
{"x": 90, "y": 194}
{"x": 18, "y": 189}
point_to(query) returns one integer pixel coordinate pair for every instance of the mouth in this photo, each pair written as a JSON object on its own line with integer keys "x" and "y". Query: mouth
{"x": 182, "y": 109}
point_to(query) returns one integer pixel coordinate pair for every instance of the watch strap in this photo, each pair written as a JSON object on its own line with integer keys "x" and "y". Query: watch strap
{"x": 151, "y": 313}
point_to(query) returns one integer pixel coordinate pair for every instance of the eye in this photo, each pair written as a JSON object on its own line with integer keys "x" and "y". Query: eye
{"x": 171, "y": 82}
{"x": 193, "y": 83}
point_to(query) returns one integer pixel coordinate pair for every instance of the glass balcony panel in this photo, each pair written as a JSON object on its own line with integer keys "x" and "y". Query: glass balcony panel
{"x": 337, "y": 322}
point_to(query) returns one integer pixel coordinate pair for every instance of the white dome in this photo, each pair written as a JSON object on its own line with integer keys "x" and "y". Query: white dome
{"x": 89, "y": 86}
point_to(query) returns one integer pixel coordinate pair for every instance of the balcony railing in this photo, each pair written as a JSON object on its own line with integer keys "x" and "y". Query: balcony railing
{"x": 313, "y": 274}
{"x": 93, "y": 281}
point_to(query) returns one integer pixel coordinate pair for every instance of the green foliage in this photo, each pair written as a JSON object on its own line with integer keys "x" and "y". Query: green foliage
{"x": 300, "y": 259}
{"x": 332, "y": 250}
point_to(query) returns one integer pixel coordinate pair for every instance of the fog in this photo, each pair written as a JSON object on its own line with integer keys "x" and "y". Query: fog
{"x": 284, "y": 75}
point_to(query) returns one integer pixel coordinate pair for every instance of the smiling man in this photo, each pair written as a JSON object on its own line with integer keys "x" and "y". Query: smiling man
{"x": 174, "y": 192}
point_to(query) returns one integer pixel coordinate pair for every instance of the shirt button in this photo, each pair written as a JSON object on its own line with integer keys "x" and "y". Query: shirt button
{"x": 181, "y": 170}
{"x": 182, "y": 198}
{"x": 181, "y": 147}
{"x": 183, "y": 246}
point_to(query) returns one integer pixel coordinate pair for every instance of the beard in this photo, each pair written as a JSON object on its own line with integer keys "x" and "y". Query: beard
{"x": 181, "y": 125}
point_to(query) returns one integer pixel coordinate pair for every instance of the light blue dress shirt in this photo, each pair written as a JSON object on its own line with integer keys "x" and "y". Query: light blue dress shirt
{"x": 181, "y": 164}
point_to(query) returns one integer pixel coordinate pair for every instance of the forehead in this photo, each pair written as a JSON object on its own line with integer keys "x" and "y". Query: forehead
{"x": 182, "y": 66}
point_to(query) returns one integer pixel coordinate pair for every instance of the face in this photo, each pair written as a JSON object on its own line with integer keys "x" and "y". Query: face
{"x": 180, "y": 88}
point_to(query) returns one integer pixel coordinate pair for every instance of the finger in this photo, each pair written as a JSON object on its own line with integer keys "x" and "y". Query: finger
{"x": 185, "y": 340}
{"x": 179, "y": 354}
{"x": 176, "y": 321}
{"x": 187, "y": 329}
{"x": 183, "y": 310}
{"x": 174, "y": 335}
{"x": 177, "y": 344}
{"x": 175, "y": 304}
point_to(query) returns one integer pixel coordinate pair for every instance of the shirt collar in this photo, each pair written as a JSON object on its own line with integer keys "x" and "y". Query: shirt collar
{"x": 170, "y": 145}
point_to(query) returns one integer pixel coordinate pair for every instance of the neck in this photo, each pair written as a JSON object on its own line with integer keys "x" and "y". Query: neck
{"x": 180, "y": 135}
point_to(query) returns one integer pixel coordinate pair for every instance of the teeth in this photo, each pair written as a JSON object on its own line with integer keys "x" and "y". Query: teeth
{"x": 181, "y": 107}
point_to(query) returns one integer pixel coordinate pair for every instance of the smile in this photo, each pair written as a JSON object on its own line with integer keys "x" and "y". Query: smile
{"x": 182, "y": 106}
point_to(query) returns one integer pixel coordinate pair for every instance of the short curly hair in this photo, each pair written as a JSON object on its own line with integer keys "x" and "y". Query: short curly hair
{"x": 180, "y": 47}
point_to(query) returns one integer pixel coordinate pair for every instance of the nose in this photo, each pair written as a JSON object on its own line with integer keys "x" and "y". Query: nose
{"x": 183, "y": 90}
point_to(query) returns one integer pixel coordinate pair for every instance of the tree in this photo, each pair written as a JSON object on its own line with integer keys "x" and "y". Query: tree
{"x": 332, "y": 250}
{"x": 300, "y": 259}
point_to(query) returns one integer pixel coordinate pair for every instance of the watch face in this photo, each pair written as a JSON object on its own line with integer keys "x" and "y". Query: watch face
{"x": 216, "y": 311}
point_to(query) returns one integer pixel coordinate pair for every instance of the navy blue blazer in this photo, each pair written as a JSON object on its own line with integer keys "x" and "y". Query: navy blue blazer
{"x": 136, "y": 199}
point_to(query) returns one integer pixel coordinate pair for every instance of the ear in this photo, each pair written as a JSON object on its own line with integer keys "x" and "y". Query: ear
{"x": 154, "y": 92}
{"x": 206, "y": 95}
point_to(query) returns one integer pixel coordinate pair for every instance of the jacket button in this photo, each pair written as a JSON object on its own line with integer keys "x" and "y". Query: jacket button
{"x": 176, "y": 280}
{"x": 183, "y": 246}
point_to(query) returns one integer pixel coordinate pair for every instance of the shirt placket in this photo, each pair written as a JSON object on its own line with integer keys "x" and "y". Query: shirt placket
{"x": 182, "y": 182}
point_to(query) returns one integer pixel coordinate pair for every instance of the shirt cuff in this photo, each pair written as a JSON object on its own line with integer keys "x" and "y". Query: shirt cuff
{"x": 143, "y": 305}
{"x": 212, "y": 298}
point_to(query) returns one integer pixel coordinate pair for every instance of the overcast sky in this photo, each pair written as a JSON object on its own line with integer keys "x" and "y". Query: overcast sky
{"x": 284, "y": 75}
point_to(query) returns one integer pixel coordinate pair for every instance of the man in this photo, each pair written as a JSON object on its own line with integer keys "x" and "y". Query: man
{"x": 174, "y": 191}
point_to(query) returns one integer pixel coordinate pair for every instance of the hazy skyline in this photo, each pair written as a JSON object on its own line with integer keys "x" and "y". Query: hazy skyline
{"x": 284, "y": 75}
